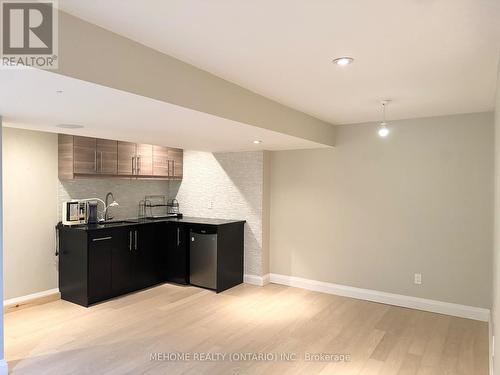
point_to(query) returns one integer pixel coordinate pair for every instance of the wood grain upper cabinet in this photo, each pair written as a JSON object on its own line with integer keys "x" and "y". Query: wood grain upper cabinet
{"x": 176, "y": 155}
{"x": 161, "y": 162}
{"x": 144, "y": 160}
{"x": 85, "y": 155}
{"x": 65, "y": 153}
{"x": 107, "y": 156}
{"x": 126, "y": 158}
{"x": 167, "y": 162}
{"x": 135, "y": 159}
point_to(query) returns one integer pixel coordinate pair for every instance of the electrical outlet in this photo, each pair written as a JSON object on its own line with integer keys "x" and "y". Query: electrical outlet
{"x": 418, "y": 279}
{"x": 210, "y": 204}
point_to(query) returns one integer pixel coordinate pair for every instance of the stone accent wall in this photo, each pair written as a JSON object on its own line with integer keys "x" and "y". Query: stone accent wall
{"x": 229, "y": 186}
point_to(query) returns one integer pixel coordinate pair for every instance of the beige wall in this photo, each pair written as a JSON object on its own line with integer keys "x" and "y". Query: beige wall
{"x": 30, "y": 211}
{"x": 372, "y": 212}
{"x": 496, "y": 250}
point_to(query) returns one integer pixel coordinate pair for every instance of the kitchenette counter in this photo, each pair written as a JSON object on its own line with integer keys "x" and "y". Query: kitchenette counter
{"x": 102, "y": 261}
{"x": 133, "y": 222}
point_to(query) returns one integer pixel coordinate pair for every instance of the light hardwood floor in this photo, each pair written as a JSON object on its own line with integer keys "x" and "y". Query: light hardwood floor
{"x": 118, "y": 336}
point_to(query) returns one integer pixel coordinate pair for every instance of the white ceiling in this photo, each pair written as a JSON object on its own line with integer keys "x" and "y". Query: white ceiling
{"x": 432, "y": 57}
{"x": 28, "y": 99}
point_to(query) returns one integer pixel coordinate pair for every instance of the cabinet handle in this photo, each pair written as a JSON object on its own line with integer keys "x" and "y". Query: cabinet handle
{"x": 95, "y": 161}
{"x": 136, "y": 240}
{"x": 130, "y": 240}
{"x": 101, "y": 161}
{"x": 133, "y": 168}
{"x": 173, "y": 168}
{"x": 102, "y": 239}
{"x": 139, "y": 164}
{"x": 178, "y": 236}
{"x": 168, "y": 167}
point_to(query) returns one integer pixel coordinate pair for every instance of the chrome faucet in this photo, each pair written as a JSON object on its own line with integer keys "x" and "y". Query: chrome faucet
{"x": 113, "y": 203}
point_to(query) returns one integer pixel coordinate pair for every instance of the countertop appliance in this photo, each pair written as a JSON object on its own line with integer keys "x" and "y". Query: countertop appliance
{"x": 74, "y": 212}
{"x": 92, "y": 213}
{"x": 203, "y": 257}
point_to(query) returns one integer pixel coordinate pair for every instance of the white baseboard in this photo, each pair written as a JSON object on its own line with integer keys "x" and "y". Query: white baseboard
{"x": 29, "y": 297}
{"x": 4, "y": 368}
{"x": 256, "y": 280}
{"x": 447, "y": 308}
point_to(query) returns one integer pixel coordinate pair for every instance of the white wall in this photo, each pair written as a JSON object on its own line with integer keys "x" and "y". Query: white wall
{"x": 372, "y": 212}
{"x": 30, "y": 211}
{"x": 233, "y": 182}
{"x": 496, "y": 250}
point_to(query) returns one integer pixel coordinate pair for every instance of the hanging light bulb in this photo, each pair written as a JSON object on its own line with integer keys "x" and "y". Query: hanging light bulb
{"x": 383, "y": 131}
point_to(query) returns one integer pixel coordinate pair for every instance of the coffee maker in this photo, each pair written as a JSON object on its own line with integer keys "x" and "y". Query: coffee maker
{"x": 92, "y": 212}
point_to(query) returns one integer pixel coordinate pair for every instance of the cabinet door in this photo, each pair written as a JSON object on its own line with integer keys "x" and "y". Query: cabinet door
{"x": 99, "y": 267}
{"x": 160, "y": 161}
{"x": 107, "y": 156}
{"x": 126, "y": 158}
{"x": 144, "y": 160}
{"x": 65, "y": 157}
{"x": 176, "y": 156}
{"x": 177, "y": 250}
{"x": 123, "y": 263}
{"x": 85, "y": 155}
{"x": 149, "y": 263}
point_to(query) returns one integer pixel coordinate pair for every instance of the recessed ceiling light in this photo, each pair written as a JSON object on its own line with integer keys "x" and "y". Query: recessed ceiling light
{"x": 256, "y": 142}
{"x": 69, "y": 126}
{"x": 342, "y": 61}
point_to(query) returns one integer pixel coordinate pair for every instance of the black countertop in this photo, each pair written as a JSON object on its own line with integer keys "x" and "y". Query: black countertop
{"x": 132, "y": 222}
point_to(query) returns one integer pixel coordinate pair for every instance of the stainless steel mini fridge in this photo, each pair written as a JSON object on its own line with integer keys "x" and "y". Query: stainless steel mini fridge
{"x": 203, "y": 257}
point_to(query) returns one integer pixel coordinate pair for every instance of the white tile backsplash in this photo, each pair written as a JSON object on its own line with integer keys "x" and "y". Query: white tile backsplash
{"x": 127, "y": 192}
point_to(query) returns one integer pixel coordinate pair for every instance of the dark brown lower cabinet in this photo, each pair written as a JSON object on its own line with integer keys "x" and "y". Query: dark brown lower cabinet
{"x": 98, "y": 263}
{"x": 123, "y": 261}
{"x": 99, "y": 269}
{"x": 176, "y": 253}
{"x": 95, "y": 265}
{"x": 150, "y": 263}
